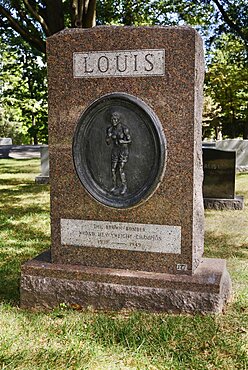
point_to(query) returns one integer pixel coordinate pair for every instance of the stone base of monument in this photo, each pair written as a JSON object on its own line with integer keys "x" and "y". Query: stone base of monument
{"x": 42, "y": 179}
{"x": 242, "y": 168}
{"x": 224, "y": 204}
{"x": 45, "y": 285}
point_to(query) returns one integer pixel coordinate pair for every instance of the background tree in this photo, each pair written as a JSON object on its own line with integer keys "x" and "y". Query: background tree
{"x": 231, "y": 16}
{"x": 227, "y": 85}
{"x": 34, "y": 20}
{"x": 211, "y": 17}
{"x": 23, "y": 92}
{"x": 211, "y": 120}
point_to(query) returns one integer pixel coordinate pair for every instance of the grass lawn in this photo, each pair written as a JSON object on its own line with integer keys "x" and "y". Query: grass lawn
{"x": 68, "y": 339}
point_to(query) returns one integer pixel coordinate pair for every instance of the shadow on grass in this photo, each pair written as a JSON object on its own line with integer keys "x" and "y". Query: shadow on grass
{"x": 10, "y": 276}
{"x": 11, "y": 198}
{"x": 13, "y": 257}
{"x": 24, "y": 230}
{"x": 21, "y": 188}
{"x": 15, "y": 182}
{"x": 20, "y": 211}
{"x": 11, "y": 267}
{"x": 13, "y": 166}
{"x": 221, "y": 246}
{"x": 22, "y": 243}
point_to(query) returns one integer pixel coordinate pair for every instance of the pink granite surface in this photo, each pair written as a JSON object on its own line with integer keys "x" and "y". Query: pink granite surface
{"x": 176, "y": 98}
{"x": 45, "y": 285}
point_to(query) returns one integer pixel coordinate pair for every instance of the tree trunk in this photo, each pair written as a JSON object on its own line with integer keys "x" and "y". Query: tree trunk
{"x": 245, "y": 130}
{"x": 50, "y": 17}
{"x": 89, "y": 14}
{"x": 54, "y": 16}
{"x": 34, "y": 131}
{"x": 128, "y": 13}
{"x": 83, "y": 13}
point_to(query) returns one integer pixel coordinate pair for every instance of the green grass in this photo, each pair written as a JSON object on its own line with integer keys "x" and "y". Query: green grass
{"x": 24, "y": 221}
{"x": 70, "y": 339}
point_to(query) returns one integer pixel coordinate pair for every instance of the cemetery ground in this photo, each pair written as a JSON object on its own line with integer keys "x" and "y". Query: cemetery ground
{"x": 68, "y": 338}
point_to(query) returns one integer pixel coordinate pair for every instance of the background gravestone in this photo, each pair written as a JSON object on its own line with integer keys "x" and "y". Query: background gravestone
{"x": 219, "y": 173}
{"x": 5, "y": 141}
{"x": 241, "y": 148}
{"x": 125, "y": 106}
{"x": 219, "y": 180}
{"x": 43, "y": 178}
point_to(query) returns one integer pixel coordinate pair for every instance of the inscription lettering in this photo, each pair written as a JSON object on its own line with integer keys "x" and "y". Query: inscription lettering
{"x": 120, "y": 235}
{"x": 214, "y": 166}
{"x": 182, "y": 267}
{"x": 86, "y": 70}
{"x": 119, "y": 63}
{"x": 150, "y": 68}
{"x": 125, "y": 63}
{"x": 135, "y": 62}
{"x": 101, "y": 64}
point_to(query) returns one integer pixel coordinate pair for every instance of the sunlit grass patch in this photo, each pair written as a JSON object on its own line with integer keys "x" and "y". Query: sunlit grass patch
{"x": 226, "y": 232}
{"x": 67, "y": 339}
{"x": 24, "y": 221}
{"x": 22, "y": 167}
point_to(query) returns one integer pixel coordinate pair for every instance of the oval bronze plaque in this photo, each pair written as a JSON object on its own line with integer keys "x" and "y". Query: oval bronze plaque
{"x": 119, "y": 150}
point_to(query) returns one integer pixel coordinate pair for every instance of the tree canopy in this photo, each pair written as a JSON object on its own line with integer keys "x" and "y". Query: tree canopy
{"x": 35, "y": 20}
{"x": 25, "y": 25}
{"x": 23, "y": 93}
{"x": 227, "y": 85}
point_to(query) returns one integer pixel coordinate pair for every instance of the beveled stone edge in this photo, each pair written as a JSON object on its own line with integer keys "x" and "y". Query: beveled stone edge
{"x": 236, "y": 203}
{"x": 207, "y": 276}
{"x": 43, "y": 292}
{"x": 102, "y": 28}
{"x": 43, "y": 180}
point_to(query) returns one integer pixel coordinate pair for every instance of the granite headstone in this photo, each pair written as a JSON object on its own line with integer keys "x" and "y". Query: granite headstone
{"x": 219, "y": 180}
{"x": 240, "y": 147}
{"x": 6, "y": 141}
{"x": 125, "y": 107}
{"x": 219, "y": 173}
{"x": 43, "y": 177}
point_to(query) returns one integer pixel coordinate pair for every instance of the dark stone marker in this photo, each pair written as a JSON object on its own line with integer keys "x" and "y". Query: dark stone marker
{"x": 125, "y": 107}
{"x": 219, "y": 180}
{"x": 219, "y": 173}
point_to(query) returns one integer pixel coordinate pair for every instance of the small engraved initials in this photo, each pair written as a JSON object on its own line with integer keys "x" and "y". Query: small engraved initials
{"x": 182, "y": 267}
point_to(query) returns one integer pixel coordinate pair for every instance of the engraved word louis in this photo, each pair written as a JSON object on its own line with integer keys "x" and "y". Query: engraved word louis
{"x": 123, "y": 63}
